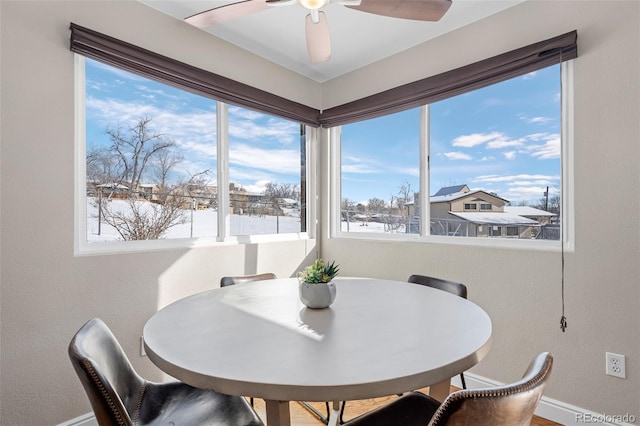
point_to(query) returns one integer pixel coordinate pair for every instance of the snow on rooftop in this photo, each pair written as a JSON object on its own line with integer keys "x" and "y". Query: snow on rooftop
{"x": 495, "y": 218}
{"x": 527, "y": 211}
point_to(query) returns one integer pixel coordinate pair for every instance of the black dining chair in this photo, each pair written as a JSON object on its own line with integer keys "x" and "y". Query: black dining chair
{"x": 508, "y": 405}
{"x": 119, "y": 396}
{"x": 452, "y": 287}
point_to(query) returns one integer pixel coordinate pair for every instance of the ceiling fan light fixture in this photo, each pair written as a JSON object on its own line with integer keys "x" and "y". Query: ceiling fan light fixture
{"x": 313, "y": 4}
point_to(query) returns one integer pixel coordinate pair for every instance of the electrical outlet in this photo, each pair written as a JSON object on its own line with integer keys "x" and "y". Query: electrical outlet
{"x": 142, "y": 351}
{"x": 615, "y": 365}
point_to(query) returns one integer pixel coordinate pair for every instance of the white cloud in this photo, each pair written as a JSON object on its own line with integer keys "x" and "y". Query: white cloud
{"x": 258, "y": 187}
{"x": 457, "y": 156}
{"x": 509, "y": 155}
{"x": 279, "y": 161}
{"x": 549, "y": 150}
{"x": 283, "y": 131}
{"x": 504, "y": 142}
{"x": 493, "y": 140}
{"x": 537, "y": 120}
{"x": 512, "y": 178}
{"x": 469, "y": 141}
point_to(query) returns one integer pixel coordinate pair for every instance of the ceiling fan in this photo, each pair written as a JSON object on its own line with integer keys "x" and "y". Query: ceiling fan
{"x": 316, "y": 27}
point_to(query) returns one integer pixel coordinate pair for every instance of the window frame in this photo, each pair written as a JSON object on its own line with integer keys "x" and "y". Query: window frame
{"x": 567, "y": 239}
{"x": 82, "y": 247}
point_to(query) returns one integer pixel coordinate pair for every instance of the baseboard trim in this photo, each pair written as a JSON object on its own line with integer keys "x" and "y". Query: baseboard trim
{"x": 548, "y": 408}
{"x": 88, "y": 419}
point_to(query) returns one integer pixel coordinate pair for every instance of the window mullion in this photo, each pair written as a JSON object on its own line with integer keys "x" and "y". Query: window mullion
{"x": 425, "y": 163}
{"x": 222, "y": 147}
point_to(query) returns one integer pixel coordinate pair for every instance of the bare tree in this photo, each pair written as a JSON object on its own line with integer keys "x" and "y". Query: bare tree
{"x": 196, "y": 187}
{"x": 376, "y": 205}
{"x": 143, "y": 220}
{"x": 347, "y": 206}
{"x": 136, "y": 148}
{"x": 274, "y": 191}
{"x": 166, "y": 160}
{"x": 102, "y": 167}
{"x": 405, "y": 195}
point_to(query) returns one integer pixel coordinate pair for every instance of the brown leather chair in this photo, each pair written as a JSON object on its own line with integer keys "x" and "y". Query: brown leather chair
{"x": 508, "y": 405}
{"x": 226, "y": 281}
{"x": 452, "y": 287}
{"x": 119, "y": 396}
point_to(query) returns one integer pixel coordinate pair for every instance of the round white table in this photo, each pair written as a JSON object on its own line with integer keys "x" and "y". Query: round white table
{"x": 378, "y": 338}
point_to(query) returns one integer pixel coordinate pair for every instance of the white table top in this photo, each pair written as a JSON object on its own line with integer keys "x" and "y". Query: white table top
{"x": 378, "y": 338}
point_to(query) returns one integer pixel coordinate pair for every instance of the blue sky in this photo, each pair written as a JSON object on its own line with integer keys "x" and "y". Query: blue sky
{"x": 504, "y": 138}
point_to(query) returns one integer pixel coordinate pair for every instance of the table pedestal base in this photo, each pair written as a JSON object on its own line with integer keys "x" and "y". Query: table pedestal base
{"x": 278, "y": 413}
{"x": 440, "y": 391}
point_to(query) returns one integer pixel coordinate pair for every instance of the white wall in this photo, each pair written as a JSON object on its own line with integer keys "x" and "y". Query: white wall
{"x": 47, "y": 293}
{"x": 521, "y": 289}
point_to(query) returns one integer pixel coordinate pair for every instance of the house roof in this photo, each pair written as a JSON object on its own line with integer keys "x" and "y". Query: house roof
{"x": 457, "y": 195}
{"x": 495, "y": 218}
{"x": 113, "y": 185}
{"x": 527, "y": 211}
{"x": 447, "y": 190}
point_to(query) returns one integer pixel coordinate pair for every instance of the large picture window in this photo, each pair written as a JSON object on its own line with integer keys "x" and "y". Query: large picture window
{"x": 158, "y": 160}
{"x": 498, "y": 147}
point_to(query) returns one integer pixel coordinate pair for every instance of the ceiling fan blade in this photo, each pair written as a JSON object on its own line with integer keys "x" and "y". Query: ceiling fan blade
{"x": 226, "y": 13}
{"x": 318, "y": 38}
{"x": 418, "y": 10}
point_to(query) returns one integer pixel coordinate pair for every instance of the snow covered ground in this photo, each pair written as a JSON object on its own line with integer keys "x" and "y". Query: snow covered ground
{"x": 200, "y": 223}
{"x": 204, "y": 223}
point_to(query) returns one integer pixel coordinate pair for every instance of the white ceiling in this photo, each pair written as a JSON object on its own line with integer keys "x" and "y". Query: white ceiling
{"x": 357, "y": 38}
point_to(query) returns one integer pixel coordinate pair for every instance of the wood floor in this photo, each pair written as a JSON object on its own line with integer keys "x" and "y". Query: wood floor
{"x": 300, "y": 416}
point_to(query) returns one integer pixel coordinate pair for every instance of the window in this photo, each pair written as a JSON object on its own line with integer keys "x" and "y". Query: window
{"x": 380, "y": 163}
{"x": 500, "y": 144}
{"x": 161, "y": 163}
{"x": 512, "y": 231}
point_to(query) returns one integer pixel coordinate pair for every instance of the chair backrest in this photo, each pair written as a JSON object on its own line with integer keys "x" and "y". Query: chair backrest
{"x": 108, "y": 378}
{"x": 512, "y": 405}
{"x": 453, "y": 287}
{"x": 226, "y": 281}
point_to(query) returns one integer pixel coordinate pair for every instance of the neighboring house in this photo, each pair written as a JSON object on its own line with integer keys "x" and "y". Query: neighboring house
{"x": 149, "y": 191}
{"x": 459, "y": 211}
{"x": 288, "y": 203}
{"x": 543, "y": 217}
{"x": 112, "y": 190}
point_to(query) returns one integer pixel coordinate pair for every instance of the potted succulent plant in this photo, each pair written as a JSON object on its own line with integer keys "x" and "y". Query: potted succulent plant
{"x": 317, "y": 290}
